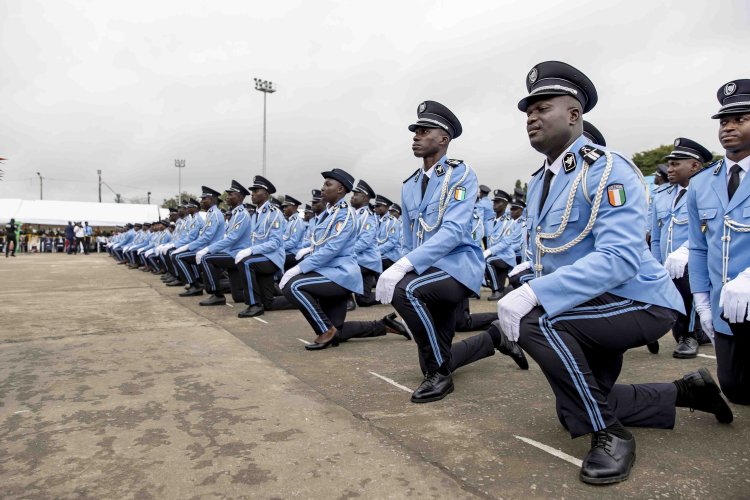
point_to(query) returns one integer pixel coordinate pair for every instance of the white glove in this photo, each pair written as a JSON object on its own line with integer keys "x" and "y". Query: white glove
{"x": 487, "y": 253}
{"x": 150, "y": 253}
{"x": 157, "y": 249}
{"x": 291, "y": 273}
{"x": 242, "y": 254}
{"x": 676, "y": 262}
{"x": 183, "y": 248}
{"x": 735, "y": 298}
{"x": 520, "y": 268}
{"x": 302, "y": 253}
{"x": 141, "y": 250}
{"x": 513, "y": 307}
{"x": 200, "y": 254}
{"x": 390, "y": 278}
{"x": 703, "y": 307}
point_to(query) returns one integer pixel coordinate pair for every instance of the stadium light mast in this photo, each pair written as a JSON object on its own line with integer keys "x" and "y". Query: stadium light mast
{"x": 41, "y": 189}
{"x": 180, "y": 164}
{"x": 266, "y": 87}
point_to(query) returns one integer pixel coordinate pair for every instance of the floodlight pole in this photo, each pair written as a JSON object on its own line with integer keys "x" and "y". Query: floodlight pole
{"x": 41, "y": 189}
{"x": 266, "y": 87}
{"x": 180, "y": 164}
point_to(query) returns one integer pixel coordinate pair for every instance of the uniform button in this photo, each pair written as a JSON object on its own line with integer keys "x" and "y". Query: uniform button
{"x": 539, "y": 228}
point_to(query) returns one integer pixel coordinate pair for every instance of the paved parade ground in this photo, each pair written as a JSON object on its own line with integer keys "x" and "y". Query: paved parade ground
{"x": 112, "y": 386}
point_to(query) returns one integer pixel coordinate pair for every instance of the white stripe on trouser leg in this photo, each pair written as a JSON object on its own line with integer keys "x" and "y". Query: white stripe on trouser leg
{"x": 492, "y": 273}
{"x": 303, "y": 300}
{"x": 423, "y": 316}
{"x": 183, "y": 266}
{"x": 204, "y": 262}
{"x": 248, "y": 276}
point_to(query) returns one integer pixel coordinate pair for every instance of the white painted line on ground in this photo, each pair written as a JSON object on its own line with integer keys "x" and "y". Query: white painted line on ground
{"x": 551, "y": 451}
{"x": 22, "y": 411}
{"x": 230, "y": 305}
{"x": 261, "y": 320}
{"x": 706, "y": 356}
{"x": 305, "y": 341}
{"x": 392, "y": 382}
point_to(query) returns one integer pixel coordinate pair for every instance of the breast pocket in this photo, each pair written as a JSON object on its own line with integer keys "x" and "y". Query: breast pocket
{"x": 746, "y": 213}
{"x": 554, "y": 217}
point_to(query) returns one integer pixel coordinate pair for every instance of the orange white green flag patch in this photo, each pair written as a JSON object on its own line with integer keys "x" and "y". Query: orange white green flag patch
{"x": 459, "y": 194}
{"x": 616, "y": 195}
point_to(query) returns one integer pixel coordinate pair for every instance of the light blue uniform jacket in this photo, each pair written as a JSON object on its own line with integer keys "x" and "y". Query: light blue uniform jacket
{"x": 613, "y": 257}
{"x": 505, "y": 239}
{"x": 294, "y": 234}
{"x": 236, "y": 234}
{"x": 389, "y": 237}
{"x": 267, "y": 238}
{"x": 709, "y": 209}
{"x": 211, "y": 231}
{"x": 662, "y": 217}
{"x": 366, "y": 248}
{"x": 449, "y": 246}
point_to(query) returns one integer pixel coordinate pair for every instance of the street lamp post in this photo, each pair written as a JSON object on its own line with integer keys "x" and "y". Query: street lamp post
{"x": 41, "y": 192}
{"x": 266, "y": 87}
{"x": 99, "y": 172}
{"x": 148, "y": 198}
{"x": 180, "y": 164}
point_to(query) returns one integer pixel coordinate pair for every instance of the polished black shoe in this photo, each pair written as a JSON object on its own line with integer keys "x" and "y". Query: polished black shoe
{"x": 175, "y": 283}
{"x": 213, "y": 300}
{"x": 609, "y": 460}
{"x": 193, "y": 291}
{"x": 168, "y": 277}
{"x": 653, "y": 347}
{"x": 350, "y": 304}
{"x": 317, "y": 346}
{"x": 698, "y": 391}
{"x": 496, "y": 295}
{"x": 510, "y": 348}
{"x": 687, "y": 348}
{"x": 434, "y": 387}
{"x": 251, "y": 311}
{"x": 398, "y": 326}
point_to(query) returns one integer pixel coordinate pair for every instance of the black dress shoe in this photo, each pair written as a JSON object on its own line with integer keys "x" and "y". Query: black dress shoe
{"x": 653, "y": 347}
{"x": 350, "y": 304}
{"x": 251, "y": 311}
{"x": 687, "y": 348}
{"x": 496, "y": 295}
{"x": 168, "y": 277}
{"x": 175, "y": 283}
{"x": 434, "y": 387}
{"x": 317, "y": 346}
{"x": 609, "y": 460}
{"x": 698, "y": 391}
{"x": 214, "y": 300}
{"x": 193, "y": 291}
{"x": 510, "y": 348}
{"x": 397, "y": 326}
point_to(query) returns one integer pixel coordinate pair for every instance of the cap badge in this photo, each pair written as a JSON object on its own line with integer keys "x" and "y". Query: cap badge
{"x": 439, "y": 170}
{"x": 730, "y": 88}
{"x": 676, "y": 142}
{"x": 533, "y": 75}
{"x": 569, "y": 162}
{"x": 422, "y": 107}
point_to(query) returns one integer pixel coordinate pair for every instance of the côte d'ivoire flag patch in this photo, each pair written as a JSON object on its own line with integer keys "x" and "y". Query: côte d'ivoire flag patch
{"x": 616, "y": 195}
{"x": 459, "y": 194}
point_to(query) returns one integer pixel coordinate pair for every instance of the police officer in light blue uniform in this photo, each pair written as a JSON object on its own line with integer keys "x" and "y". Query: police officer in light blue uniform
{"x": 669, "y": 236}
{"x": 157, "y": 230}
{"x": 140, "y": 241}
{"x": 502, "y": 243}
{"x": 320, "y": 284}
{"x": 597, "y": 290}
{"x": 395, "y": 211}
{"x": 125, "y": 239}
{"x": 366, "y": 247}
{"x": 443, "y": 264}
{"x": 264, "y": 256}
{"x": 477, "y": 225}
{"x": 388, "y": 236}
{"x": 483, "y": 208}
{"x": 151, "y": 256}
{"x": 517, "y": 211}
{"x": 211, "y": 231}
{"x": 294, "y": 232}
{"x": 719, "y": 225}
{"x": 220, "y": 255}
{"x": 163, "y": 250}
{"x": 190, "y": 231}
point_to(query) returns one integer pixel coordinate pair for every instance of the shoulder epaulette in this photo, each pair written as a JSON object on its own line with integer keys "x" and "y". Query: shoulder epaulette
{"x": 414, "y": 175}
{"x": 661, "y": 189}
{"x": 715, "y": 167}
{"x": 540, "y": 169}
{"x": 590, "y": 153}
{"x": 453, "y": 163}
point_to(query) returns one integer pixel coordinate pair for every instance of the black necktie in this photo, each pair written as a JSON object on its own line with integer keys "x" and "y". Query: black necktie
{"x": 679, "y": 195}
{"x": 425, "y": 181}
{"x": 734, "y": 180}
{"x": 548, "y": 175}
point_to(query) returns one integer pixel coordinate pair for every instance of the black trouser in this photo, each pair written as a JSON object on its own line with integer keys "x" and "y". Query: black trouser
{"x": 256, "y": 273}
{"x": 427, "y": 303}
{"x": 580, "y": 352}
{"x": 682, "y": 328}
{"x": 80, "y": 241}
{"x": 369, "y": 280}
{"x": 468, "y": 322}
{"x": 289, "y": 261}
{"x": 387, "y": 263}
{"x": 733, "y": 360}
{"x": 71, "y": 245}
{"x": 7, "y": 245}
{"x": 322, "y": 302}
{"x": 166, "y": 258}
{"x": 467, "y": 351}
{"x": 212, "y": 268}
{"x": 496, "y": 271}
{"x": 154, "y": 263}
{"x": 362, "y": 329}
{"x": 186, "y": 267}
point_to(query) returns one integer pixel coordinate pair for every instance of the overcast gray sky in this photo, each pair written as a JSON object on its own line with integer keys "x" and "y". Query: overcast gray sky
{"x": 127, "y": 87}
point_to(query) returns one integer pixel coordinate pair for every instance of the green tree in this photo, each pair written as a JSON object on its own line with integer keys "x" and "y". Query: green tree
{"x": 173, "y": 201}
{"x": 648, "y": 160}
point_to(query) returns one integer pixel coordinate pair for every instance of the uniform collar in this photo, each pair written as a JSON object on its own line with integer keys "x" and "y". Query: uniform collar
{"x": 429, "y": 172}
{"x": 557, "y": 164}
{"x": 743, "y": 163}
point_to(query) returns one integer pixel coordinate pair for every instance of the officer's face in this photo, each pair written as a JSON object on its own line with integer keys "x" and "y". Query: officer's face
{"x": 734, "y": 133}
{"x": 428, "y": 141}
{"x": 319, "y": 206}
{"x": 289, "y": 210}
{"x": 679, "y": 171}
{"x": 332, "y": 191}
{"x": 499, "y": 206}
{"x": 381, "y": 210}
{"x": 207, "y": 202}
{"x": 259, "y": 196}
{"x": 516, "y": 212}
{"x": 394, "y": 213}
{"x": 234, "y": 198}
{"x": 308, "y": 216}
{"x": 359, "y": 199}
{"x": 550, "y": 123}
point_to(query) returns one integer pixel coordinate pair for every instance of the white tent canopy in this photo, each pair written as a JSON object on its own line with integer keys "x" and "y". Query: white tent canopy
{"x": 58, "y": 213}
